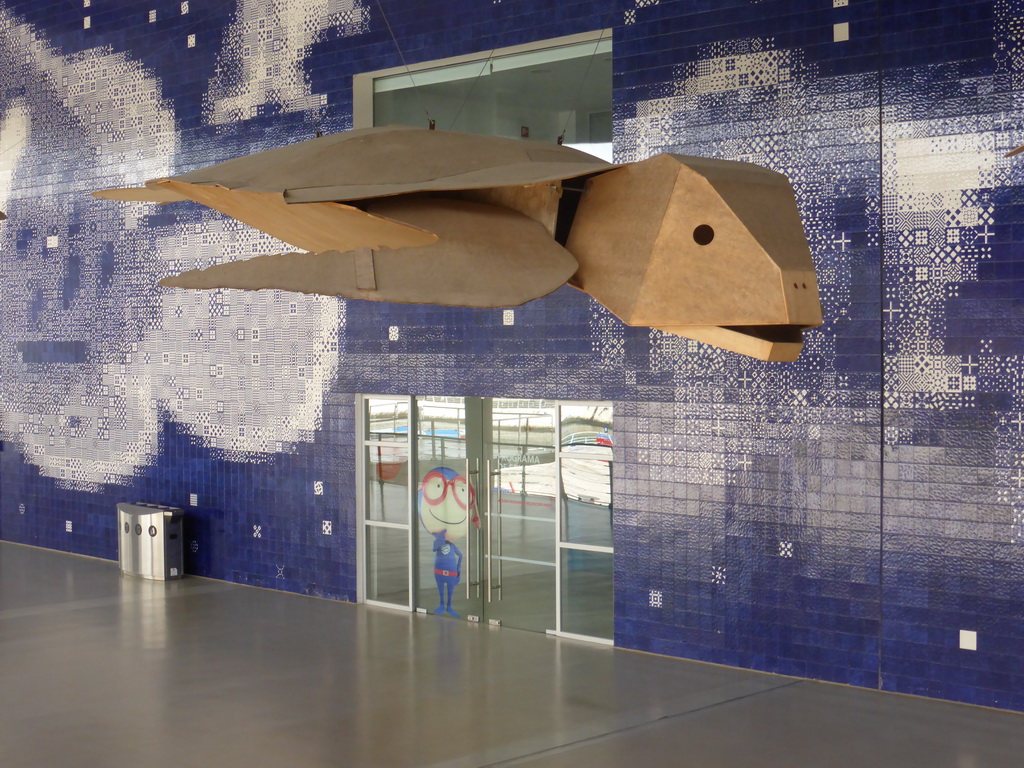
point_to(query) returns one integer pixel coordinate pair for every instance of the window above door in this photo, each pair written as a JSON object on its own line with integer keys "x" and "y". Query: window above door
{"x": 536, "y": 92}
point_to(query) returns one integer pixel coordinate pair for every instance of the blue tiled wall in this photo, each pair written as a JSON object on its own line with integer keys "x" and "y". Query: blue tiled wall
{"x": 842, "y": 518}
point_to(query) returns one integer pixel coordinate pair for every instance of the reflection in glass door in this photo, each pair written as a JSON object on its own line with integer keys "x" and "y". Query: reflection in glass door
{"x": 503, "y": 513}
{"x": 521, "y": 514}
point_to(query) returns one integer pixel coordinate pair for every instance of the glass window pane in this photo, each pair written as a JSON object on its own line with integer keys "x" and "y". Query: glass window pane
{"x": 523, "y": 594}
{"x": 587, "y": 593}
{"x": 521, "y": 539}
{"x": 587, "y": 501}
{"x": 587, "y": 429}
{"x": 522, "y": 432}
{"x": 387, "y": 565}
{"x": 537, "y": 95}
{"x": 526, "y": 492}
{"x": 387, "y": 420}
{"x": 387, "y": 483}
{"x": 441, "y": 431}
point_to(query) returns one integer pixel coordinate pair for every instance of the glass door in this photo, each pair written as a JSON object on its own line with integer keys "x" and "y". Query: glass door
{"x": 485, "y": 503}
{"x": 447, "y": 507}
{"x": 494, "y": 510}
{"x": 521, "y": 515}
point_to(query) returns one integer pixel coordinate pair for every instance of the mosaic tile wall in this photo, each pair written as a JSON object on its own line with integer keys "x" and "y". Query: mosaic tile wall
{"x": 856, "y": 517}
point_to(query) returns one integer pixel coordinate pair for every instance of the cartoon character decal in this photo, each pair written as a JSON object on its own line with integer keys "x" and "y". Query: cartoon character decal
{"x": 447, "y": 505}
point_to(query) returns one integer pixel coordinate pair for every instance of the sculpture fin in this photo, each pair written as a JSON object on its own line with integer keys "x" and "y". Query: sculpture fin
{"x": 486, "y": 256}
{"x": 310, "y": 226}
{"x": 147, "y": 194}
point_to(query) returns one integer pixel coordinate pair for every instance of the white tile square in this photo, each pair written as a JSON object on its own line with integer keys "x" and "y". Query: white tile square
{"x": 841, "y": 32}
{"x": 968, "y": 640}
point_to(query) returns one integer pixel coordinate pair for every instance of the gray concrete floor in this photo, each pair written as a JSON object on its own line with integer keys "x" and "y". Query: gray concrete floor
{"x": 104, "y": 671}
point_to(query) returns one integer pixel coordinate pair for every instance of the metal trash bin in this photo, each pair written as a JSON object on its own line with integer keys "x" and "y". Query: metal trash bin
{"x": 150, "y": 539}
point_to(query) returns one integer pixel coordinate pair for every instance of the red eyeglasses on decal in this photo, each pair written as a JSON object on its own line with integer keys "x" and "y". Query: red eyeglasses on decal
{"x": 436, "y": 487}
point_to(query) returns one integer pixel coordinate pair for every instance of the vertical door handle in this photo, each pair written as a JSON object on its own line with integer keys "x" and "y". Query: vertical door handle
{"x": 487, "y": 469}
{"x": 467, "y": 571}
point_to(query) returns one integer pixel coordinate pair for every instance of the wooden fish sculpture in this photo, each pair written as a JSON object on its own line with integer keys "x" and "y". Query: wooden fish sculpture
{"x": 712, "y": 250}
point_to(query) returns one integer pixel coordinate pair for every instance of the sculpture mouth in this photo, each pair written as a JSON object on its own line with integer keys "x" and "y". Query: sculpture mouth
{"x": 448, "y": 522}
{"x": 780, "y": 343}
{"x": 776, "y": 334}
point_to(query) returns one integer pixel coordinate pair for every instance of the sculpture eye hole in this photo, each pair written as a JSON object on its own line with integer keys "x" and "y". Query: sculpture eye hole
{"x": 703, "y": 234}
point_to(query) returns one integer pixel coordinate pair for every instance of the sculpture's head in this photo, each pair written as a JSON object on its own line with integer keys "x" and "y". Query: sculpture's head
{"x": 713, "y": 250}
